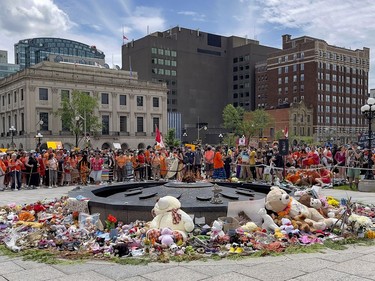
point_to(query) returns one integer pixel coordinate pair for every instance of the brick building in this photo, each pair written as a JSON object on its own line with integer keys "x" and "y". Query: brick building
{"x": 333, "y": 80}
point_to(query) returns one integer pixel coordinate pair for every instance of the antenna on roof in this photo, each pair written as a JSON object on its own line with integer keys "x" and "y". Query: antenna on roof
{"x": 148, "y": 30}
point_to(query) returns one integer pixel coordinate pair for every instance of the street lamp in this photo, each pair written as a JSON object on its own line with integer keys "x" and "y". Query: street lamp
{"x": 12, "y": 130}
{"x": 39, "y": 137}
{"x": 199, "y": 129}
{"x": 368, "y": 110}
{"x": 221, "y": 138}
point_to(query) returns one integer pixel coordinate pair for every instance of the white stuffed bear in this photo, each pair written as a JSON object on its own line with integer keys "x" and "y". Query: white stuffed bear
{"x": 167, "y": 213}
{"x": 279, "y": 201}
{"x": 268, "y": 223}
{"x": 216, "y": 231}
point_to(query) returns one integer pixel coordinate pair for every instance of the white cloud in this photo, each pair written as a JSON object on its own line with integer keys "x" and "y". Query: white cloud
{"x": 348, "y": 24}
{"x": 32, "y": 18}
{"x": 194, "y": 15}
{"x": 143, "y": 19}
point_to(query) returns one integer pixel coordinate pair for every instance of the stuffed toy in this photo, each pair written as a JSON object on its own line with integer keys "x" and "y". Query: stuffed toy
{"x": 249, "y": 227}
{"x": 167, "y": 213}
{"x": 216, "y": 231}
{"x": 287, "y": 228}
{"x": 166, "y": 237}
{"x": 302, "y": 225}
{"x": 268, "y": 223}
{"x": 305, "y": 199}
{"x": 121, "y": 249}
{"x": 277, "y": 200}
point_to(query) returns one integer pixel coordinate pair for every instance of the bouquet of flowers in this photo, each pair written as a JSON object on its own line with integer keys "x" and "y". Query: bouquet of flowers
{"x": 110, "y": 222}
{"x": 359, "y": 223}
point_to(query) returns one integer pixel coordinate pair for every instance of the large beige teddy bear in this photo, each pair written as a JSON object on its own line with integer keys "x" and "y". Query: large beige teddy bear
{"x": 279, "y": 201}
{"x": 167, "y": 213}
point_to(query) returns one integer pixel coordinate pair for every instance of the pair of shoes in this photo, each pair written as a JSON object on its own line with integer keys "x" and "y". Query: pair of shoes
{"x": 50, "y": 187}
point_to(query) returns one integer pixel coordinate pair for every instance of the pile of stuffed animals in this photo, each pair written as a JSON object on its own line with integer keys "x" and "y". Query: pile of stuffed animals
{"x": 302, "y": 219}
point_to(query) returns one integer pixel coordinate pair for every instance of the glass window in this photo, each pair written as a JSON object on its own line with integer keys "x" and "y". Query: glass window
{"x": 161, "y": 61}
{"x": 173, "y": 72}
{"x": 173, "y": 63}
{"x": 139, "y": 124}
{"x": 105, "y": 98}
{"x": 43, "y": 94}
{"x": 302, "y": 77}
{"x": 21, "y": 94}
{"x": 161, "y": 71}
{"x": 167, "y": 62}
{"x": 286, "y": 69}
{"x": 44, "y": 117}
{"x": 160, "y": 51}
{"x": 65, "y": 95}
{"x": 154, "y": 70}
{"x": 139, "y": 101}
{"x": 286, "y": 80}
{"x": 122, "y": 99}
{"x": 155, "y": 123}
{"x": 105, "y": 125}
{"x": 167, "y": 72}
{"x": 154, "y": 60}
{"x": 173, "y": 53}
{"x": 167, "y": 52}
{"x": 294, "y": 67}
{"x": 153, "y": 50}
{"x": 155, "y": 102}
{"x": 123, "y": 124}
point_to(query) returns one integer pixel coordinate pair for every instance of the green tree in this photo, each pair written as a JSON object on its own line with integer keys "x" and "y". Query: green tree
{"x": 233, "y": 117}
{"x": 170, "y": 139}
{"x": 77, "y": 115}
{"x": 255, "y": 122}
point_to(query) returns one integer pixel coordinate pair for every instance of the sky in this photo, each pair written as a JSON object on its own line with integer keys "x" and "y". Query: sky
{"x": 343, "y": 23}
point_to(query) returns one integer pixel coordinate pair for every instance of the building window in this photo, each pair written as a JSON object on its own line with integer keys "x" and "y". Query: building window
{"x": 105, "y": 125}
{"x": 105, "y": 98}
{"x": 155, "y": 123}
{"x": 161, "y": 71}
{"x": 15, "y": 97}
{"x": 123, "y": 124}
{"x": 139, "y": 101}
{"x": 279, "y": 81}
{"x": 302, "y": 66}
{"x": 160, "y": 51}
{"x": 43, "y": 94}
{"x": 122, "y": 99}
{"x": 161, "y": 61}
{"x": 154, "y": 60}
{"x": 44, "y": 117}
{"x": 173, "y": 53}
{"x": 302, "y": 77}
{"x": 155, "y": 102}
{"x": 65, "y": 95}
{"x": 173, "y": 72}
{"x": 21, "y": 94}
{"x": 167, "y": 62}
{"x": 167, "y": 52}
{"x": 139, "y": 124}
{"x": 286, "y": 80}
{"x": 286, "y": 69}
{"x": 153, "y": 50}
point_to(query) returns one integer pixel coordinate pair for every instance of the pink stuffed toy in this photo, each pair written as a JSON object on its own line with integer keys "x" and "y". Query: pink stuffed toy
{"x": 166, "y": 237}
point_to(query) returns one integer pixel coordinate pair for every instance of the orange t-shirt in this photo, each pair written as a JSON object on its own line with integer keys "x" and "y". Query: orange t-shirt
{"x": 218, "y": 161}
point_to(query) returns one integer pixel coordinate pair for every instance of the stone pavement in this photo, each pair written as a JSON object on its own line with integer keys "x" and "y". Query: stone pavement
{"x": 355, "y": 263}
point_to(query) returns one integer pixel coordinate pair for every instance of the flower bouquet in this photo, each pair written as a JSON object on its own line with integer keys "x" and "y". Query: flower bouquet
{"x": 360, "y": 224}
{"x": 111, "y": 222}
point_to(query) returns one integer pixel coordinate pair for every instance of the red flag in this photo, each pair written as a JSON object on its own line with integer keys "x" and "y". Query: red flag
{"x": 157, "y": 135}
{"x": 124, "y": 37}
{"x": 286, "y": 133}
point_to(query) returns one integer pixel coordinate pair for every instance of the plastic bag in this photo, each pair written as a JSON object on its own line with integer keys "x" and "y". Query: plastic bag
{"x": 87, "y": 220}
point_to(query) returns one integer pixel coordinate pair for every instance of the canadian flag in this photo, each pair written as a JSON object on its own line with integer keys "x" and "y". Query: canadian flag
{"x": 158, "y": 137}
{"x": 286, "y": 133}
{"x": 124, "y": 37}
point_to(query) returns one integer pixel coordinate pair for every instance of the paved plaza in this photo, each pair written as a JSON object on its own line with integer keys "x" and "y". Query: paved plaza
{"x": 354, "y": 263}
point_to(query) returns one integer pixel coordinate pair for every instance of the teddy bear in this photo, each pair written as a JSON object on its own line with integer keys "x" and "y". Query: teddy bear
{"x": 167, "y": 213}
{"x": 287, "y": 227}
{"x": 268, "y": 223}
{"x": 166, "y": 237}
{"x": 277, "y": 200}
{"x": 216, "y": 231}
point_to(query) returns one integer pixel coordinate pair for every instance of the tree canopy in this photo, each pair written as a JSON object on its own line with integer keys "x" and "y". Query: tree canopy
{"x": 170, "y": 140}
{"x": 77, "y": 114}
{"x": 233, "y": 118}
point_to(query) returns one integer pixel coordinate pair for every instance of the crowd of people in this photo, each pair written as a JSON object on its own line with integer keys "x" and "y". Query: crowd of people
{"x": 304, "y": 165}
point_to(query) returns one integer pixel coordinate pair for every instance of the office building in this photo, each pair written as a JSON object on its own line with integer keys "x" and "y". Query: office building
{"x": 5, "y": 67}
{"x": 204, "y": 72}
{"x": 31, "y": 51}
{"x": 129, "y": 109}
{"x": 332, "y": 79}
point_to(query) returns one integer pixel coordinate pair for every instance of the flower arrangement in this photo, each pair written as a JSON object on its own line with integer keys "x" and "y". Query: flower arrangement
{"x": 111, "y": 222}
{"x": 360, "y": 223}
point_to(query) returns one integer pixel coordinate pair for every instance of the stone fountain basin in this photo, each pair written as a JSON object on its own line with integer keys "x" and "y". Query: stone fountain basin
{"x": 134, "y": 200}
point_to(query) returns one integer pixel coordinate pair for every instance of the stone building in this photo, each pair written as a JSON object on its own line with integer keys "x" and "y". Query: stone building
{"x": 129, "y": 109}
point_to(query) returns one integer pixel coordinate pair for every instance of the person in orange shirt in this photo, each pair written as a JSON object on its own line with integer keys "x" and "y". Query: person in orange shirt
{"x": 120, "y": 161}
{"x": 219, "y": 172}
{"x": 3, "y": 169}
{"x": 209, "y": 162}
{"x": 15, "y": 165}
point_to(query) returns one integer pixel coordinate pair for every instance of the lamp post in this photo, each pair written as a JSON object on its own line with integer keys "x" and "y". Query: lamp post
{"x": 39, "y": 137}
{"x": 221, "y": 138}
{"x": 368, "y": 110}
{"x": 12, "y": 130}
